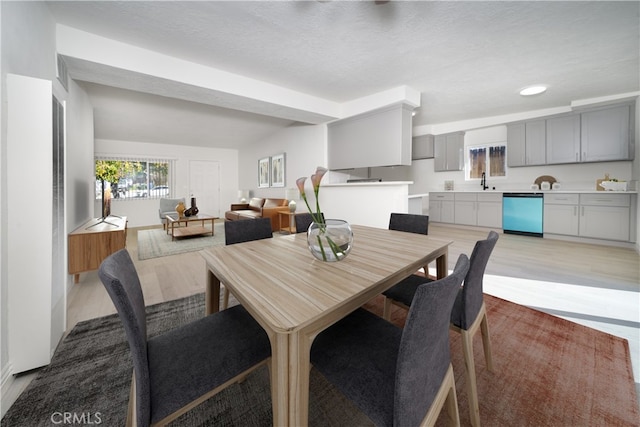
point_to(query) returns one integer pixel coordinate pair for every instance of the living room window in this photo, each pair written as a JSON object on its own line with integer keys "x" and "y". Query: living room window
{"x": 491, "y": 159}
{"x": 134, "y": 178}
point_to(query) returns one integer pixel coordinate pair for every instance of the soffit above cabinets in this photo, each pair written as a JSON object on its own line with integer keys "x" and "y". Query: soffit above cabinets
{"x": 377, "y": 138}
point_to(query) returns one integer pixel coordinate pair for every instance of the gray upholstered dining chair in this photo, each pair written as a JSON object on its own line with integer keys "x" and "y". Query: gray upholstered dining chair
{"x": 410, "y": 223}
{"x": 303, "y": 221}
{"x": 467, "y": 316}
{"x": 176, "y": 371}
{"x": 400, "y": 377}
{"x": 244, "y": 230}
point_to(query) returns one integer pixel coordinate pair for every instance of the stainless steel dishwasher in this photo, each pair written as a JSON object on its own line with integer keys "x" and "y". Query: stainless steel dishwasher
{"x": 522, "y": 213}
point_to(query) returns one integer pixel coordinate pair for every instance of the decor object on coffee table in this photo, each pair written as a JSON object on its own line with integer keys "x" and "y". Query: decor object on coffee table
{"x": 193, "y": 210}
{"x": 180, "y": 208}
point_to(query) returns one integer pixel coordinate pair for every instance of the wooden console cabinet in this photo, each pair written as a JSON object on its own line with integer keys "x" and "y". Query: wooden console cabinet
{"x": 93, "y": 241}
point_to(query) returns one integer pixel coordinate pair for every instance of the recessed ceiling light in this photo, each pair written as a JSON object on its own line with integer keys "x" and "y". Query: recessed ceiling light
{"x": 533, "y": 90}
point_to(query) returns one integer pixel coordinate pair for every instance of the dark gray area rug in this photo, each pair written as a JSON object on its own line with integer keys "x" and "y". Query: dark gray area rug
{"x": 548, "y": 372}
{"x": 90, "y": 375}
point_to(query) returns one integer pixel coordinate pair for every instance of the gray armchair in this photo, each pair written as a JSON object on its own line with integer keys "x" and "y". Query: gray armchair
{"x": 167, "y": 206}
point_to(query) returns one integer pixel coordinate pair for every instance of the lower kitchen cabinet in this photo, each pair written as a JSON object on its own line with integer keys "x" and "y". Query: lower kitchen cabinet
{"x": 561, "y": 214}
{"x": 605, "y": 216}
{"x": 598, "y": 216}
{"x": 465, "y": 212}
{"x": 441, "y": 207}
{"x": 490, "y": 210}
{"x": 467, "y": 208}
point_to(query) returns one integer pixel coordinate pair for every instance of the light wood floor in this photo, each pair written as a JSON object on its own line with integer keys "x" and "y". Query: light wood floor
{"x": 518, "y": 257}
{"x": 573, "y": 280}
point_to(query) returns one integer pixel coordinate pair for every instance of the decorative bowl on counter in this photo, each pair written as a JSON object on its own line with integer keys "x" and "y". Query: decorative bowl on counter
{"x": 614, "y": 185}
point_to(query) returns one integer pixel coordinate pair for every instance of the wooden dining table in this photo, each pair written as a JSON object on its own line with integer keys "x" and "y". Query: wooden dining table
{"x": 294, "y": 296}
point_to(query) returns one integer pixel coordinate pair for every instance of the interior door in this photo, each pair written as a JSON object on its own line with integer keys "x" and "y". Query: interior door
{"x": 204, "y": 185}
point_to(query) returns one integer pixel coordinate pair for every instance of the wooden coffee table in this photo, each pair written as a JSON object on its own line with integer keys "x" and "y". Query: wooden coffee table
{"x": 176, "y": 229}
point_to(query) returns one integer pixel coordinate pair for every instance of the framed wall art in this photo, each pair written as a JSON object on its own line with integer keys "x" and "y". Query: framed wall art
{"x": 278, "y": 170}
{"x": 263, "y": 172}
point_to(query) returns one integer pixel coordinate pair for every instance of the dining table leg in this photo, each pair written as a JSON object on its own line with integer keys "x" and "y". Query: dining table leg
{"x": 290, "y": 366}
{"x": 212, "y": 294}
{"x": 442, "y": 265}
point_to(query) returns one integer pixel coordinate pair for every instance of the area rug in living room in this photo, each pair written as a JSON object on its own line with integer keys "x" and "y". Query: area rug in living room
{"x": 548, "y": 372}
{"x": 156, "y": 242}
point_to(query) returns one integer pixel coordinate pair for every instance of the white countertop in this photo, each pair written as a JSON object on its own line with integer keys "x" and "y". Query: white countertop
{"x": 535, "y": 191}
{"x": 367, "y": 184}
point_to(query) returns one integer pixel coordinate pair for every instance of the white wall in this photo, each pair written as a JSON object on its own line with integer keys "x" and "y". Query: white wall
{"x": 145, "y": 212}
{"x": 305, "y": 148}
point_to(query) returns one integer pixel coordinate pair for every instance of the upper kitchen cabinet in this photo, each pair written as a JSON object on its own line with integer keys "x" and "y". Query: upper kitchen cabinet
{"x": 563, "y": 139}
{"x": 449, "y": 152}
{"x": 606, "y": 134}
{"x": 422, "y": 147}
{"x": 598, "y": 135}
{"x": 527, "y": 143}
{"x": 377, "y": 138}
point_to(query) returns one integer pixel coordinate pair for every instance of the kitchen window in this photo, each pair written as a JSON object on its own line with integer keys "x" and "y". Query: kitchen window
{"x": 491, "y": 159}
{"x": 134, "y": 178}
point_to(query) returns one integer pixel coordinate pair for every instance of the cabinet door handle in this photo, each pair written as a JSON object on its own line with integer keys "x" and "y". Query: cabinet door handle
{"x": 577, "y": 154}
{"x": 575, "y": 211}
{"x": 582, "y": 214}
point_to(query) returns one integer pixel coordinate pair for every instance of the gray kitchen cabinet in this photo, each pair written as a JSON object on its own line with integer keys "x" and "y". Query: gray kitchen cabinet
{"x": 465, "y": 209}
{"x": 606, "y": 135}
{"x": 605, "y": 216}
{"x": 481, "y": 209}
{"x": 448, "y": 152}
{"x": 563, "y": 139}
{"x": 526, "y": 143}
{"x": 441, "y": 207}
{"x": 489, "y": 211}
{"x": 598, "y": 216}
{"x": 598, "y": 135}
{"x": 561, "y": 214}
{"x": 422, "y": 147}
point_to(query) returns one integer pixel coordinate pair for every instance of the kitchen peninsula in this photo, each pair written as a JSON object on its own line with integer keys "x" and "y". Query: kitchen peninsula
{"x": 365, "y": 203}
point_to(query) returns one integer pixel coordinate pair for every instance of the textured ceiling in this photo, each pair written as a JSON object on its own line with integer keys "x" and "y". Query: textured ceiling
{"x": 468, "y": 59}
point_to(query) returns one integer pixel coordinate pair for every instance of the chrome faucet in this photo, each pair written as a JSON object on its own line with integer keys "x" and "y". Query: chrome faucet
{"x": 483, "y": 182}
